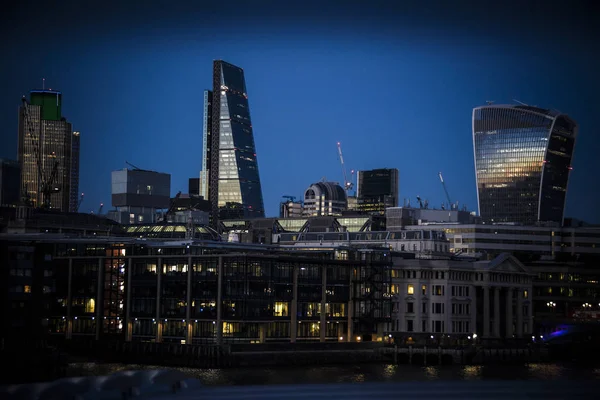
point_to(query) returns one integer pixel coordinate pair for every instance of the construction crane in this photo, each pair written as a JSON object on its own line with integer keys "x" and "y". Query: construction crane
{"x": 348, "y": 185}
{"x": 79, "y": 202}
{"x": 100, "y": 208}
{"x": 45, "y": 184}
{"x": 420, "y": 201}
{"x": 445, "y": 189}
{"x": 172, "y": 206}
{"x": 133, "y": 166}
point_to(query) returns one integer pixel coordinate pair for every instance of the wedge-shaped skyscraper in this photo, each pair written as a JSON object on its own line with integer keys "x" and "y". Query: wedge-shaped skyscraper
{"x": 230, "y": 176}
{"x": 522, "y": 162}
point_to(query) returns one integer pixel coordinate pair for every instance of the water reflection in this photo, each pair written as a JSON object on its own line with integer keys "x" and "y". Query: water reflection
{"x": 357, "y": 373}
{"x": 472, "y": 372}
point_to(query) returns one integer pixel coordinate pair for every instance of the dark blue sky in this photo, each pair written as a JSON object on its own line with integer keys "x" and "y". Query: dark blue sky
{"x": 396, "y": 85}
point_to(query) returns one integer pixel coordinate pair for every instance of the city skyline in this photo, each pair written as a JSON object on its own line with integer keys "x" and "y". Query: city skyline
{"x": 138, "y": 101}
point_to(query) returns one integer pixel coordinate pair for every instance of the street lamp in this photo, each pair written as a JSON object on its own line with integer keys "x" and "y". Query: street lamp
{"x": 551, "y": 304}
{"x": 587, "y": 305}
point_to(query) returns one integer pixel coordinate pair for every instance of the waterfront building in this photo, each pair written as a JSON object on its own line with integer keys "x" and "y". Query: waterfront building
{"x": 201, "y": 291}
{"x": 324, "y": 199}
{"x": 48, "y": 153}
{"x": 523, "y": 158}
{"x": 10, "y": 181}
{"x": 137, "y": 195}
{"x": 447, "y": 300}
{"x": 377, "y": 190}
{"x": 229, "y": 155}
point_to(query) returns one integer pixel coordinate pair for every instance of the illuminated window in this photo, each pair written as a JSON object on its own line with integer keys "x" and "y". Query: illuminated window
{"x": 281, "y": 309}
{"x": 411, "y": 289}
{"x": 424, "y": 289}
{"x": 27, "y": 289}
{"x": 525, "y": 294}
{"x": 90, "y": 306}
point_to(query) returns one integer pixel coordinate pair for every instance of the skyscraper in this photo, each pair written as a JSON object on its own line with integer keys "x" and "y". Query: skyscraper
{"x": 377, "y": 190}
{"x": 234, "y": 188}
{"x": 522, "y": 162}
{"x": 48, "y": 153}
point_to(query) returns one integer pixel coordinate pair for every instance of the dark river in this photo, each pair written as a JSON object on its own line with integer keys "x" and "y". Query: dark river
{"x": 358, "y": 373}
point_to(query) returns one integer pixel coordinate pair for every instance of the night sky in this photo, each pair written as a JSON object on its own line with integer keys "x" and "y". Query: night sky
{"x": 395, "y": 84}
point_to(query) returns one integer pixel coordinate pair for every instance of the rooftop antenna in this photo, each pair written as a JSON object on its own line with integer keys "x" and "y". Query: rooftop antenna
{"x": 490, "y": 102}
{"x": 520, "y": 102}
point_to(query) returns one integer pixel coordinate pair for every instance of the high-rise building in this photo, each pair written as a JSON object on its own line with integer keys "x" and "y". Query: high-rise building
{"x": 234, "y": 188}
{"x": 194, "y": 187}
{"x": 522, "y": 162}
{"x": 10, "y": 177}
{"x": 377, "y": 190}
{"x": 74, "y": 193}
{"x": 48, "y": 153}
{"x": 206, "y": 145}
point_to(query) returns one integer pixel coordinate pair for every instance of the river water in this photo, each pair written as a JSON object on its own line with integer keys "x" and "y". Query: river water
{"x": 358, "y": 373}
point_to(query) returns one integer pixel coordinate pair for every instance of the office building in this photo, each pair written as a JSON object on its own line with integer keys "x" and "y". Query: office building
{"x": 10, "y": 183}
{"x": 234, "y": 188}
{"x": 134, "y": 289}
{"x": 290, "y": 208}
{"x": 74, "y": 189}
{"x": 397, "y": 218}
{"x": 206, "y": 145}
{"x": 324, "y": 198}
{"x": 137, "y": 195}
{"x": 377, "y": 190}
{"x": 47, "y": 152}
{"x": 194, "y": 187}
{"x": 522, "y": 160}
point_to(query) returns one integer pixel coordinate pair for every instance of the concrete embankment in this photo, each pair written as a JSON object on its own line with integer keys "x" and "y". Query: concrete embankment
{"x": 286, "y": 354}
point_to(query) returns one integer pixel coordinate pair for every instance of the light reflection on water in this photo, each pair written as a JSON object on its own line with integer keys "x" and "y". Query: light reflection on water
{"x": 357, "y": 373}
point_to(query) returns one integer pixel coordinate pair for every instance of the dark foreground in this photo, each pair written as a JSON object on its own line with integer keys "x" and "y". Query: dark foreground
{"x": 357, "y": 373}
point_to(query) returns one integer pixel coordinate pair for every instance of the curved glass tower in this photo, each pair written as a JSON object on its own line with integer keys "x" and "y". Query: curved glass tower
{"x": 522, "y": 162}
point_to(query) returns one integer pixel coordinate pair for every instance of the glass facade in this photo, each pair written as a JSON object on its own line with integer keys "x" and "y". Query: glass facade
{"x": 234, "y": 184}
{"x": 522, "y": 162}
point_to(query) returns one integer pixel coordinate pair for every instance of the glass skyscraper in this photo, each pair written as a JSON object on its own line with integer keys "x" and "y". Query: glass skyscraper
{"x": 230, "y": 164}
{"x": 522, "y": 162}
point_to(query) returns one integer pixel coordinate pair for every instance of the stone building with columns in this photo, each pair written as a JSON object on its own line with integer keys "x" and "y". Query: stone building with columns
{"x": 442, "y": 299}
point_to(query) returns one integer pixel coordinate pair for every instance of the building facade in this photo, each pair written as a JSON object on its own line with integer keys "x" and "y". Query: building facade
{"x": 169, "y": 290}
{"x": 435, "y": 299}
{"x": 48, "y": 153}
{"x": 290, "y": 209}
{"x": 234, "y": 184}
{"x": 324, "y": 198}
{"x": 377, "y": 190}
{"x": 10, "y": 183}
{"x": 206, "y": 144}
{"x": 522, "y": 161}
{"x": 137, "y": 195}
